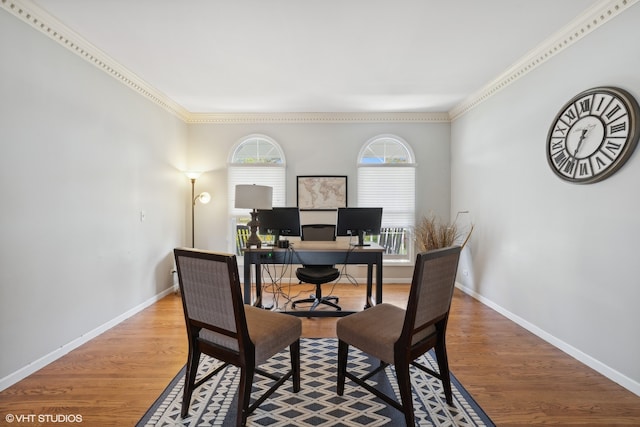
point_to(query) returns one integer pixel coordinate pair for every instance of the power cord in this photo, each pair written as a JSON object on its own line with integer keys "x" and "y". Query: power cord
{"x": 276, "y": 286}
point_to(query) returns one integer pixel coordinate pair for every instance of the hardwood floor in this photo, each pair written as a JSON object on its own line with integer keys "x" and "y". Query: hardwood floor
{"x": 517, "y": 378}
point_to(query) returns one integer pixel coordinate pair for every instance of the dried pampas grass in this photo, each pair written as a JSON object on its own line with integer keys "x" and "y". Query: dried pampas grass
{"x": 431, "y": 234}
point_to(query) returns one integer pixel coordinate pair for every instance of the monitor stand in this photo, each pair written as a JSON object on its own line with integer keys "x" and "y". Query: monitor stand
{"x": 360, "y": 239}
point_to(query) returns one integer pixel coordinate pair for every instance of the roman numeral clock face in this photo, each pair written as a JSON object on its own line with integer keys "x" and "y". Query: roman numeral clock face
{"x": 593, "y": 135}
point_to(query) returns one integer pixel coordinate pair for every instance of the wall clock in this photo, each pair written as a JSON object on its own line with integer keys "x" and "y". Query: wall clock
{"x": 593, "y": 135}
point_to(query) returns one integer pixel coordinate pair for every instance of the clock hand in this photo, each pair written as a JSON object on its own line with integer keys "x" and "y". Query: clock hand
{"x": 582, "y": 137}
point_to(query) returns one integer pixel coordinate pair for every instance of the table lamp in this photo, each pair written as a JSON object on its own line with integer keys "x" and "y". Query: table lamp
{"x": 253, "y": 197}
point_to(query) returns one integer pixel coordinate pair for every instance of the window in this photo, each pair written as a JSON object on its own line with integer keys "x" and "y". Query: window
{"x": 386, "y": 177}
{"x": 255, "y": 159}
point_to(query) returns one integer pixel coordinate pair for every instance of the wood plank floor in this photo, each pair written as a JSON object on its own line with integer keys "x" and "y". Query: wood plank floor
{"x": 517, "y": 378}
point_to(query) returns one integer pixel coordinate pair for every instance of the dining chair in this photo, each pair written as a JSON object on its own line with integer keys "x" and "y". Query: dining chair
{"x": 397, "y": 336}
{"x": 221, "y": 326}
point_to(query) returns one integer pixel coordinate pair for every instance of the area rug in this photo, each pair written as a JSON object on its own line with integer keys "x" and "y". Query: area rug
{"x": 316, "y": 404}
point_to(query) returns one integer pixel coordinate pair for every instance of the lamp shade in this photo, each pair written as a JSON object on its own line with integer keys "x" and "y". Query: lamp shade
{"x": 193, "y": 174}
{"x": 253, "y": 197}
{"x": 204, "y": 197}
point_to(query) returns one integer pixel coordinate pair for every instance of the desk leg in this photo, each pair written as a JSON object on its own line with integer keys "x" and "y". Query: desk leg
{"x": 248, "y": 262}
{"x": 369, "y": 301}
{"x": 247, "y": 281}
{"x": 258, "y": 302}
{"x": 379, "y": 280}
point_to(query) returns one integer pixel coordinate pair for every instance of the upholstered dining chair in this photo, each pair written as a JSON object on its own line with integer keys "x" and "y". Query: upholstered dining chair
{"x": 397, "y": 336}
{"x": 219, "y": 325}
{"x": 318, "y": 274}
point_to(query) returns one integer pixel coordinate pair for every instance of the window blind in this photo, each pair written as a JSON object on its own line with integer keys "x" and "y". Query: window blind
{"x": 393, "y": 188}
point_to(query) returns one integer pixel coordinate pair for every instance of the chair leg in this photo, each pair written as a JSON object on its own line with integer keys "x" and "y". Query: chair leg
{"x": 294, "y": 352}
{"x": 244, "y": 394}
{"x": 445, "y": 376}
{"x": 190, "y": 379}
{"x": 326, "y": 301}
{"x": 316, "y": 302}
{"x": 404, "y": 385}
{"x": 303, "y": 301}
{"x": 343, "y": 352}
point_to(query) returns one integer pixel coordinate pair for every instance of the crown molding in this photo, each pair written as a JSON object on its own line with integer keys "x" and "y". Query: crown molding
{"x": 326, "y": 117}
{"x": 596, "y": 16}
{"x": 41, "y": 21}
{"x": 592, "y": 19}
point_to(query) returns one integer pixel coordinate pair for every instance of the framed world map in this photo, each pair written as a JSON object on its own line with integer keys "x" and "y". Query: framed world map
{"x": 322, "y": 192}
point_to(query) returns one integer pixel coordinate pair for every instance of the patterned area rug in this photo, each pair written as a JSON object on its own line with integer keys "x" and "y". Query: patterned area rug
{"x": 316, "y": 404}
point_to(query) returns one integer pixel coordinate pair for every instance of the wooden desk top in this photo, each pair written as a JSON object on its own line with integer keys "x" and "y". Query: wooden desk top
{"x": 320, "y": 246}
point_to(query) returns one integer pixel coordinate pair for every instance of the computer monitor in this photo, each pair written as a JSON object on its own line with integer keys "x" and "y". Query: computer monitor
{"x": 279, "y": 221}
{"x": 358, "y": 221}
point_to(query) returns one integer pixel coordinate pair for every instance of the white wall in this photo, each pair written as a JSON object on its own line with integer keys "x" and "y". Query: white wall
{"x": 82, "y": 155}
{"x": 557, "y": 257}
{"x": 316, "y": 149}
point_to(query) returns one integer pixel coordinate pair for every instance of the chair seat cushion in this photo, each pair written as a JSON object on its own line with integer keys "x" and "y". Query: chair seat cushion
{"x": 270, "y": 332}
{"x": 317, "y": 274}
{"x": 374, "y": 330}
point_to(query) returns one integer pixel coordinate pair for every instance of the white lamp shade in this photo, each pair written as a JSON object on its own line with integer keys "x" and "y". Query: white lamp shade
{"x": 193, "y": 174}
{"x": 204, "y": 197}
{"x": 253, "y": 197}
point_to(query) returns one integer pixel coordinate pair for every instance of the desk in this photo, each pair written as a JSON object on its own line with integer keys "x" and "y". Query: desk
{"x": 315, "y": 253}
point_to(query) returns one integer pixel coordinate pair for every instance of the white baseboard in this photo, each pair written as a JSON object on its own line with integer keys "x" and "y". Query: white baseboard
{"x": 594, "y": 364}
{"x": 36, "y": 365}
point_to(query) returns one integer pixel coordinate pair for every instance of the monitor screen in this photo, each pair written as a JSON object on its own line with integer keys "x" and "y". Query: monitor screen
{"x": 279, "y": 222}
{"x": 358, "y": 222}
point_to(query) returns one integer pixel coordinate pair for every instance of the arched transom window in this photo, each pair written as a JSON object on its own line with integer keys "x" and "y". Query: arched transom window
{"x": 257, "y": 149}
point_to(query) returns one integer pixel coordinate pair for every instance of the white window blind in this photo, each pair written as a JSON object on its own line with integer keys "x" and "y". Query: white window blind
{"x": 393, "y": 188}
{"x": 272, "y": 176}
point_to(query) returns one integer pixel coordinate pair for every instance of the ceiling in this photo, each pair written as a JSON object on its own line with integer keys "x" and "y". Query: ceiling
{"x": 262, "y": 56}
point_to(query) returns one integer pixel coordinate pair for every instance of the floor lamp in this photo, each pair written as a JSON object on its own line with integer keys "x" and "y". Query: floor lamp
{"x": 203, "y": 197}
{"x": 253, "y": 197}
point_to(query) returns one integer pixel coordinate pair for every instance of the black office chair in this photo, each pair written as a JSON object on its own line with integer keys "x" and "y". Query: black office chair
{"x": 318, "y": 274}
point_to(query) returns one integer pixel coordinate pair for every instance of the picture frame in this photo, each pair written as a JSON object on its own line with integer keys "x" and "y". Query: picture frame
{"x": 321, "y": 192}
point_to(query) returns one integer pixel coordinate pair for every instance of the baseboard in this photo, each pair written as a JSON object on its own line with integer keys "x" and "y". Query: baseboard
{"x": 36, "y": 365}
{"x": 612, "y": 374}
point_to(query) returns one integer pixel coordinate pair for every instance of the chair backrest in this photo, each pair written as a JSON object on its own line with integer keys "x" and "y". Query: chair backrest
{"x": 319, "y": 232}
{"x": 431, "y": 293}
{"x": 212, "y": 298}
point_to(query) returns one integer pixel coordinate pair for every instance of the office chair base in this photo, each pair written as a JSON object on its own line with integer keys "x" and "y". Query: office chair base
{"x": 317, "y": 301}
